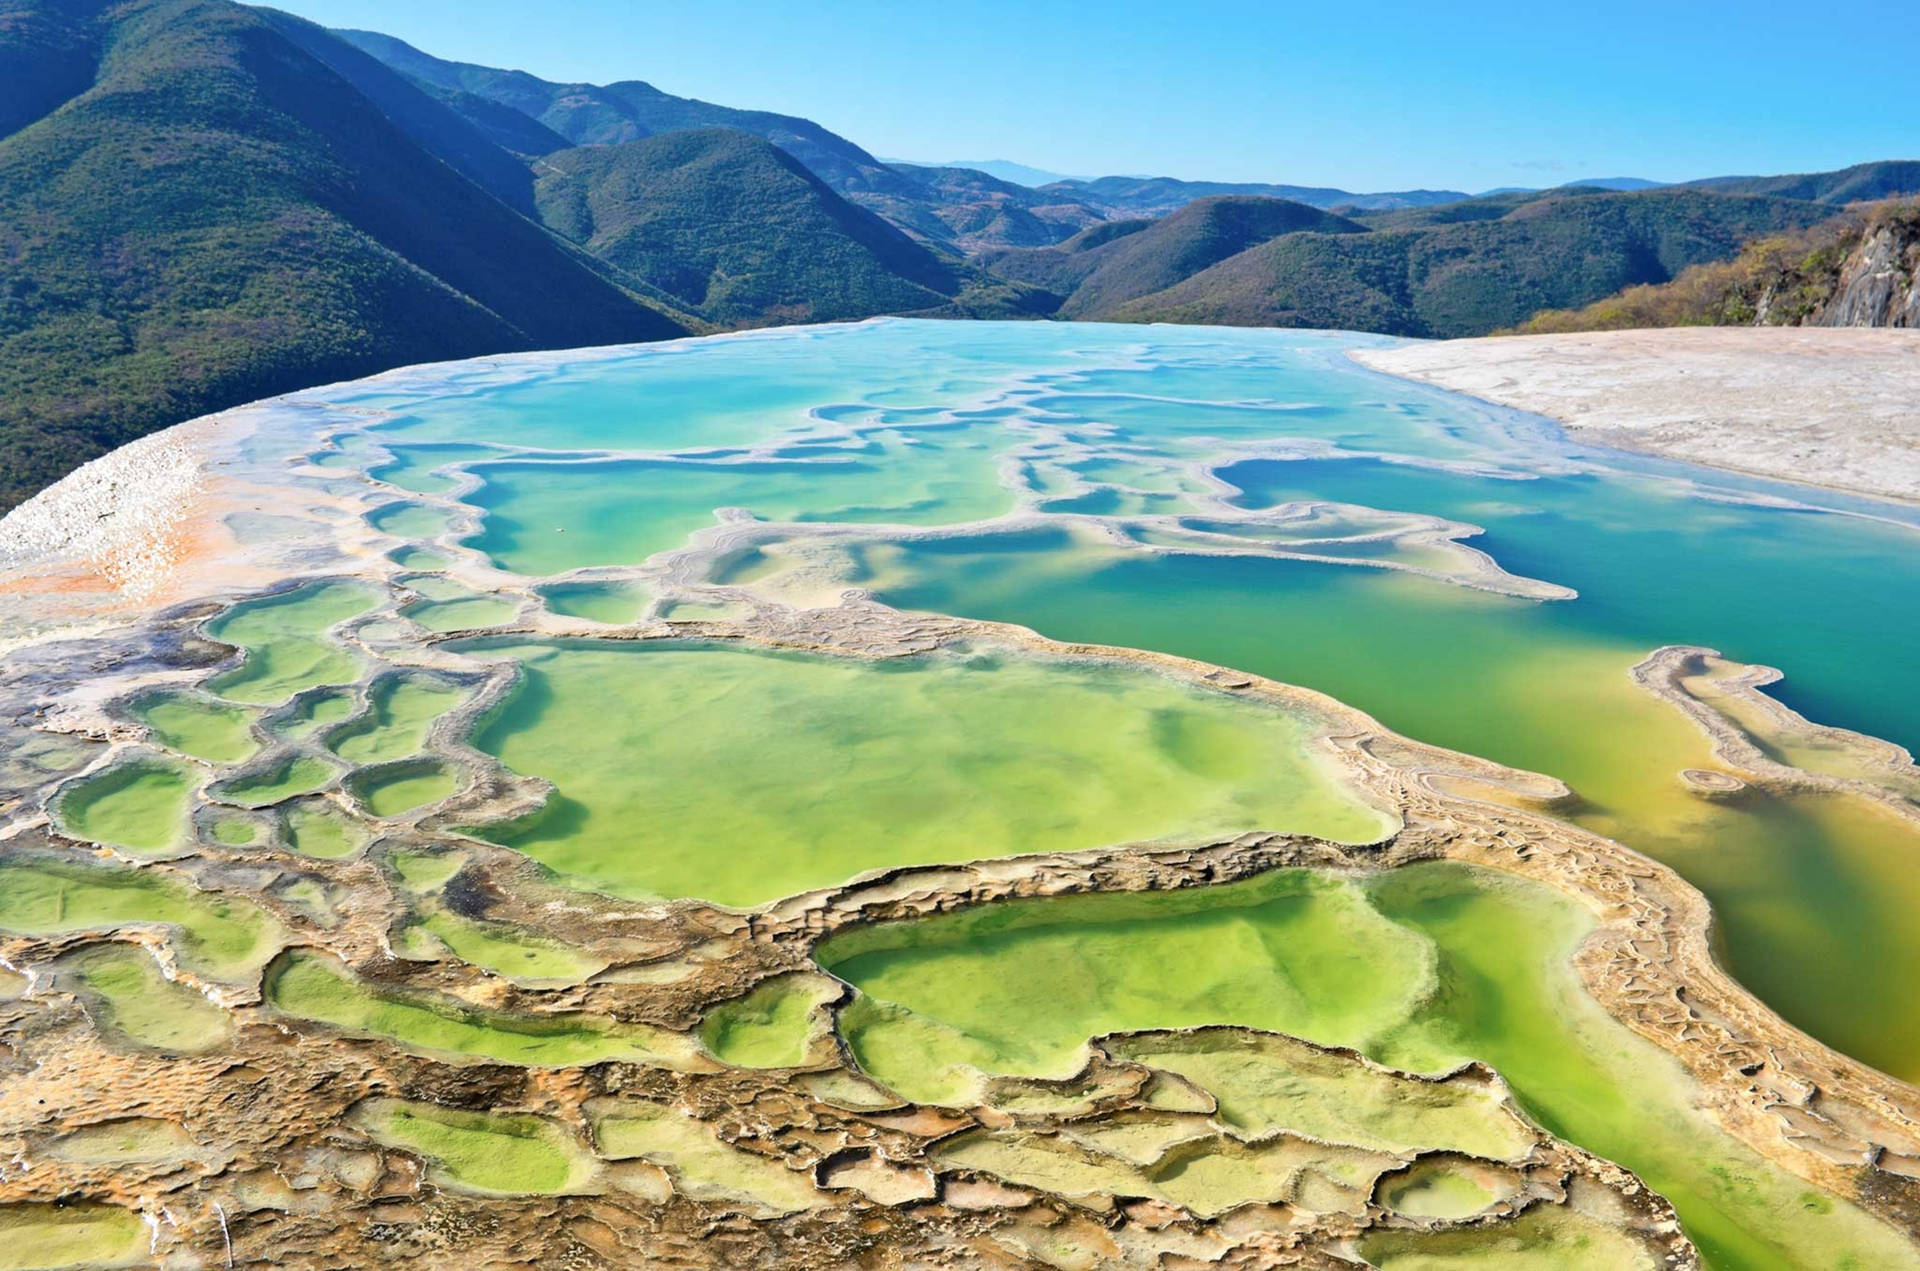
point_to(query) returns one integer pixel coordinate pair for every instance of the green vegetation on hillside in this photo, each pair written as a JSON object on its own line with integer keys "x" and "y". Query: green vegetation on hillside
{"x": 1476, "y": 276}
{"x": 1863, "y": 182}
{"x": 953, "y": 207}
{"x": 591, "y": 114}
{"x": 1098, "y": 271}
{"x": 733, "y": 228}
{"x": 1778, "y": 280}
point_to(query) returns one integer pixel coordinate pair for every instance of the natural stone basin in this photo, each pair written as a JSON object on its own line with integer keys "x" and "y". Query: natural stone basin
{"x": 1421, "y": 967}
{"x": 742, "y": 775}
{"x": 284, "y": 641}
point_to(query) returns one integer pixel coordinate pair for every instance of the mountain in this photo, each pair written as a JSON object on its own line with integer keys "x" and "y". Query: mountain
{"x": 591, "y": 114}
{"x": 1886, "y": 179}
{"x": 1612, "y": 183}
{"x": 971, "y": 211}
{"x": 1472, "y": 276}
{"x": 1111, "y": 264}
{"x": 952, "y": 207}
{"x": 1157, "y": 196}
{"x": 1001, "y": 169}
{"x": 738, "y": 231}
{"x": 1858, "y": 269}
{"x": 199, "y": 207}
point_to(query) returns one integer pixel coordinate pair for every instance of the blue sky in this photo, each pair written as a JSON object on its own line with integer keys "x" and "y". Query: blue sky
{"x": 1381, "y": 95}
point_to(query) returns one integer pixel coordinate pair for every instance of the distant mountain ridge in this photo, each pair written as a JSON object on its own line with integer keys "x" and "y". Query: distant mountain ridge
{"x": 1157, "y": 196}
{"x": 1108, "y": 266}
{"x": 1000, "y": 169}
{"x": 1418, "y": 272}
{"x": 736, "y": 230}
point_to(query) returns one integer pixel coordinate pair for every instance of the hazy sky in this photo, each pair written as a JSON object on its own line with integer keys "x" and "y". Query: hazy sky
{"x": 1365, "y": 96}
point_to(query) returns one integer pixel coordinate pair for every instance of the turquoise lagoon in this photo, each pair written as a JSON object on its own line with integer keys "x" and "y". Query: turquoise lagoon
{"x": 906, "y": 440}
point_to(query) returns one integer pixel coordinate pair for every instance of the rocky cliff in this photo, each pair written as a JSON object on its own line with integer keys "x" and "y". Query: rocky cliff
{"x": 1879, "y": 282}
{"x": 1859, "y": 269}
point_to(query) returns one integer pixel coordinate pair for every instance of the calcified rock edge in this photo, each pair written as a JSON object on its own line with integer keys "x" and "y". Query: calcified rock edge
{"x": 1831, "y": 407}
{"x": 277, "y": 1163}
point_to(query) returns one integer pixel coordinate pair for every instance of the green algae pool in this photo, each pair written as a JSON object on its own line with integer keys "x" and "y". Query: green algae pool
{"x": 194, "y": 726}
{"x": 399, "y": 711}
{"x": 487, "y": 1153}
{"x": 1419, "y": 968}
{"x": 141, "y": 1005}
{"x": 36, "y": 1237}
{"x": 1103, "y": 417}
{"x": 740, "y": 775}
{"x": 546, "y": 518}
{"x": 139, "y": 804}
{"x": 1524, "y": 683}
{"x": 1106, "y": 431}
{"x": 285, "y": 641}
{"x": 311, "y": 987}
{"x": 218, "y": 935}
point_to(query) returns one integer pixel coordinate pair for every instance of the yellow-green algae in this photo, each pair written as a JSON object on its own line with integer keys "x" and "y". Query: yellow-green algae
{"x": 447, "y": 606}
{"x": 498, "y": 947}
{"x": 399, "y": 711}
{"x": 398, "y": 789}
{"x": 1264, "y": 1082}
{"x": 218, "y": 935}
{"x": 315, "y": 711}
{"x": 139, "y": 804}
{"x": 54, "y": 1237}
{"x": 1448, "y": 1189}
{"x": 424, "y": 871}
{"x": 294, "y": 775}
{"x": 741, "y": 775}
{"x": 1421, "y": 968}
{"x": 124, "y": 1139}
{"x": 190, "y": 725}
{"x": 285, "y": 640}
{"x": 235, "y": 831}
{"x": 141, "y": 1004}
{"x": 1544, "y": 1238}
{"x": 1208, "y": 1173}
{"x": 771, "y": 1027}
{"x": 323, "y": 830}
{"x": 314, "y": 987}
{"x": 701, "y": 1166}
{"x": 489, "y": 1153}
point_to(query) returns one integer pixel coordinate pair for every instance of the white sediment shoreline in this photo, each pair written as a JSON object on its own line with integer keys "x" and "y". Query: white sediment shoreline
{"x": 1838, "y": 408}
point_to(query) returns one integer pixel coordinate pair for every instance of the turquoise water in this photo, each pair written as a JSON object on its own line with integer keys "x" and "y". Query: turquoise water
{"x": 1033, "y": 474}
{"x": 931, "y": 425}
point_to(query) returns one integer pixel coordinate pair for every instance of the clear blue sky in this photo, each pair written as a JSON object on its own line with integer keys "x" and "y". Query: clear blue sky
{"x": 1365, "y": 96}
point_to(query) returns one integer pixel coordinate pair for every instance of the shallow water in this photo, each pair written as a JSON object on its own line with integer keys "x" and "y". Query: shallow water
{"x": 546, "y": 518}
{"x": 220, "y": 936}
{"x": 741, "y": 776}
{"x": 1812, "y": 895}
{"x": 928, "y": 423}
{"x": 285, "y": 641}
{"x": 1420, "y": 968}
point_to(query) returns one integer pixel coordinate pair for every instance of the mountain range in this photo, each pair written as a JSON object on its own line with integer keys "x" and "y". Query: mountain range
{"x": 203, "y": 203}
